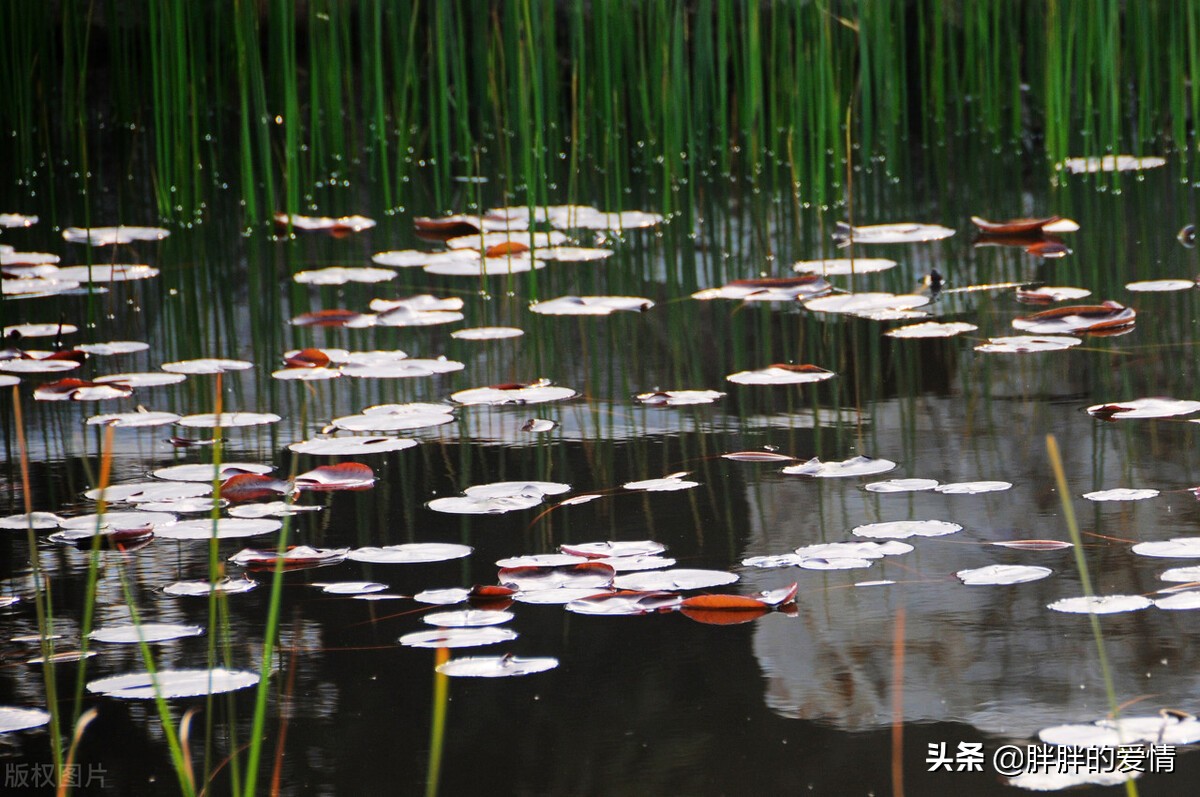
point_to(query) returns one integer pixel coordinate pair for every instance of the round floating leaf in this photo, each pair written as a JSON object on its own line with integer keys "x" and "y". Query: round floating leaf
{"x": 206, "y": 366}
{"x": 1153, "y": 286}
{"x": 37, "y": 366}
{"x": 902, "y": 529}
{"x": 1109, "y": 163}
{"x": 114, "y": 348}
{"x": 1121, "y": 494}
{"x": 221, "y": 529}
{"x": 228, "y": 420}
{"x": 678, "y": 398}
{"x": 1101, "y": 604}
{"x": 901, "y": 485}
{"x": 932, "y": 329}
{"x": 201, "y": 589}
{"x": 146, "y": 632}
{"x": 134, "y": 419}
{"x": 1033, "y": 545}
{"x": 468, "y": 618}
{"x": 182, "y": 506}
{"x": 33, "y": 520}
{"x": 151, "y": 379}
{"x": 1180, "y": 601}
{"x": 173, "y": 683}
{"x": 538, "y": 425}
{"x": 1082, "y": 736}
{"x": 1049, "y": 294}
{"x": 854, "y": 549}
{"x": 782, "y": 374}
{"x": 411, "y": 553}
{"x": 342, "y": 476}
{"x": 1144, "y": 408}
{"x": 80, "y": 390}
{"x": 496, "y": 667}
{"x": 351, "y": 446}
{"x": 627, "y": 564}
{"x": 591, "y": 305}
{"x": 626, "y": 603}
{"x": 502, "y": 489}
{"x": 680, "y": 578}
{"x": 117, "y": 520}
{"x": 306, "y": 374}
{"x": 39, "y": 330}
{"x": 139, "y": 492}
{"x": 768, "y": 289}
{"x": 1177, "y": 548}
{"x": 107, "y": 236}
{"x": 21, "y": 719}
{"x": 758, "y": 456}
{"x": 337, "y": 275}
{"x": 352, "y": 587}
{"x": 97, "y": 273}
{"x": 972, "y": 488}
{"x": 558, "y": 597}
{"x": 208, "y": 472}
{"x": 271, "y": 509}
{"x": 514, "y": 393}
{"x": 1023, "y": 344}
{"x": 666, "y": 484}
{"x": 541, "y": 560}
{"x": 487, "y": 333}
{"x": 855, "y": 466}
{"x": 844, "y": 266}
{"x": 1003, "y": 574}
{"x": 1106, "y": 317}
{"x": 1183, "y": 574}
{"x": 585, "y": 575}
{"x": 457, "y": 637}
{"x": 443, "y": 597}
{"x": 297, "y": 557}
{"x": 601, "y": 550}
{"x": 896, "y": 233}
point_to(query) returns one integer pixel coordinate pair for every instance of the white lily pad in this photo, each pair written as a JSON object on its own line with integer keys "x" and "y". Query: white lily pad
{"x": 1121, "y": 494}
{"x": 173, "y": 683}
{"x": 1101, "y": 604}
{"x": 457, "y": 637}
{"x": 146, "y": 632}
{"x": 496, "y": 667}
{"x": 410, "y": 553}
{"x": 1003, "y": 574}
{"x": 902, "y": 529}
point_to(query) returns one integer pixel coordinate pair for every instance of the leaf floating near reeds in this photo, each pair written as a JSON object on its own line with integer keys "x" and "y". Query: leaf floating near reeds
{"x": 410, "y": 553}
{"x": 460, "y": 225}
{"x": 1033, "y": 545}
{"x": 769, "y": 289}
{"x": 1002, "y": 574}
{"x": 1181, "y": 574}
{"x": 498, "y": 498}
{"x": 973, "y": 488}
{"x": 866, "y": 304}
{"x": 758, "y": 456}
{"x": 485, "y": 266}
{"x": 457, "y": 637}
{"x": 338, "y": 228}
{"x": 534, "y": 392}
{"x": 626, "y": 603}
{"x": 209, "y": 472}
{"x": 603, "y": 550}
{"x": 496, "y": 667}
{"x": 339, "y": 275}
{"x": 109, "y": 273}
{"x": 903, "y": 529}
{"x": 1180, "y": 601}
{"x": 35, "y": 287}
{"x": 1109, "y": 317}
{"x": 675, "y": 579}
{"x": 502, "y": 243}
{"x": 80, "y": 390}
{"x": 351, "y": 587}
{"x": 591, "y": 305}
{"x": 1014, "y": 226}
{"x": 1121, "y": 494}
{"x": 1160, "y": 286}
{"x": 17, "y": 220}
{"x": 574, "y": 254}
{"x": 228, "y": 420}
{"x": 782, "y": 374}
{"x": 144, "y": 632}
{"x": 487, "y": 333}
{"x": 678, "y": 398}
{"x": 855, "y": 466}
{"x": 226, "y": 528}
{"x": 116, "y": 520}
{"x": 583, "y": 575}
{"x": 351, "y": 446}
{"x": 296, "y": 557}
{"x": 538, "y": 425}
{"x": 13, "y": 718}
{"x": 7, "y": 380}
{"x": 1101, "y": 604}
{"x": 897, "y": 233}
{"x": 1176, "y": 548}
{"x": 148, "y": 379}
{"x": 342, "y": 476}
{"x": 206, "y": 366}
{"x": 1110, "y": 163}
{"x": 141, "y": 492}
{"x": 170, "y": 684}
{"x": 202, "y": 589}
{"x": 1143, "y": 408}
{"x": 271, "y": 509}
{"x": 1050, "y": 294}
{"x": 38, "y": 366}
{"x": 901, "y": 485}
{"x": 1028, "y": 344}
{"x": 126, "y": 538}
{"x": 467, "y": 618}
{"x": 666, "y": 484}
{"x": 844, "y": 266}
{"x": 19, "y": 331}
{"x": 33, "y": 520}
{"x": 932, "y": 329}
{"x": 541, "y": 560}
{"x": 113, "y": 348}
{"x": 394, "y": 417}
{"x": 334, "y": 317}
{"x": 108, "y": 236}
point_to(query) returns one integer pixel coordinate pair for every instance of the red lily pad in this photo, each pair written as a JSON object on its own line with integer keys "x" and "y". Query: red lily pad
{"x": 342, "y": 476}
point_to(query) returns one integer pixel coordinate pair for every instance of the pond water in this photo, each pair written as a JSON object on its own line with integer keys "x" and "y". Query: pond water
{"x": 806, "y": 698}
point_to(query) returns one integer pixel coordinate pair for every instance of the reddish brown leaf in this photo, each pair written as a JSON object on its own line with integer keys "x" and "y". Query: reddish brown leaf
{"x": 326, "y": 318}
{"x": 245, "y": 487}
{"x": 723, "y": 616}
{"x": 1012, "y": 226}
{"x": 342, "y": 476}
{"x": 723, "y": 603}
{"x": 505, "y": 248}
{"x": 307, "y": 358}
{"x": 1049, "y": 248}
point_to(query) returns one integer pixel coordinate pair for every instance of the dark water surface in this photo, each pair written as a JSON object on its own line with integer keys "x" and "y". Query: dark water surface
{"x": 658, "y": 704}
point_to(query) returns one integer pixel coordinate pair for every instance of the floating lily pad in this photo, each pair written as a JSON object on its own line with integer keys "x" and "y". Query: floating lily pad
{"x": 591, "y": 305}
{"x": 1143, "y": 408}
{"x": 1107, "y": 317}
{"x": 139, "y": 492}
{"x": 410, "y": 553}
{"x": 1110, "y": 163}
{"x": 228, "y": 420}
{"x": 13, "y": 718}
{"x": 1101, "y": 604}
{"x": 206, "y": 366}
{"x": 173, "y": 683}
{"x": 1189, "y": 599}
{"x": 1183, "y": 574}
{"x": 514, "y": 393}
{"x": 902, "y": 529}
{"x": 666, "y": 484}
{"x": 107, "y": 236}
{"x": 114, "y": 348}
{"x": 221, "y": 529}
{"x": 1023, "y": 344}
{"x": 146, "y": 632}
{"x": 467, "y": 618}
{"x": 678, "y": 398}
{"x": 855, "y": 466}
{"x": 338, "y": 275}
{"x": 151, "y": 379}
{"x": 538, "y": 425}
{"x": 896, "y": 233}
{"x": 1176, "y": 548}
{"x": 352, "y": 587}
{"x": 973, "y": 488}
{"x": 133, "y": 419}
{"x": 782, "y": 374}
{"x": 1121, "y": 494}
{"x": 202, "y": 589}
{"x": 602, "y": 550}
{"x": 1003, "y": 574}
{"x": 342, "y": 476}
{"x": 680, "y": 578}
{"x": 33, "y": 520}
{"x": 297, "y": 557}
{"x": 209, "y": 472}
{"x": 487, "y": 333}
{"x": 351, "y": 446}
{"x": 496, "y": 667}
{"x": 97, "y": 273}
{"x": 844, "y": 266}
{"x": 1048, "y": 294}
{"x": 583, "y": 575}
{"x": 1160, "y": 286}
{"x": 866, "y": 303}
{"x": 758, "y": 456}
{"x": 932, "y": 329}
{"x": 626, "y": 603}
{"x": 457, "y": 637}
{"x": 769, "y": 289}
{"x": 901, "y": 485}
